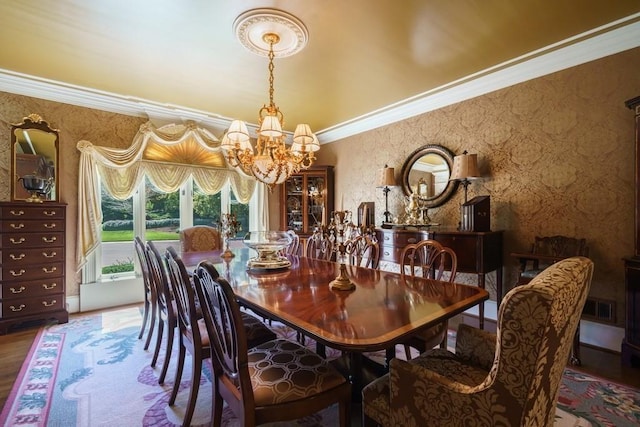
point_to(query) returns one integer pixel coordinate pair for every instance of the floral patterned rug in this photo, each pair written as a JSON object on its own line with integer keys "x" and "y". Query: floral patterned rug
{"x": 93, "y": 371}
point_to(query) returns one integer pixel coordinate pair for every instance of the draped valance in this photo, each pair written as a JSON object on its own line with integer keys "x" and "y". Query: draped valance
{"x": 168, "y": 156}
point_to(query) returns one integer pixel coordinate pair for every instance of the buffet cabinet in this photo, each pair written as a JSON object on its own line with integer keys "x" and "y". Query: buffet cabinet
{"x": 477, "y": 252}
{"x": 307, "y": 200}
{"x": 631, "y": 342}
{"x": 32, "y": 257}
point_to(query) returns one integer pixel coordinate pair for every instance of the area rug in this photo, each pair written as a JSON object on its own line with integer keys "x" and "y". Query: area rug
{"x": 93, "y": 371}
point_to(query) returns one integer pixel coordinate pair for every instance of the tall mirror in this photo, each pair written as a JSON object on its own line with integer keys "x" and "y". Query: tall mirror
{"x": 426, "y": 173}
{"x": 34, "y": 161}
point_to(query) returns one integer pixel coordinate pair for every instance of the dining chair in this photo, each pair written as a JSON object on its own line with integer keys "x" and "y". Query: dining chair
{"x": 167, "y": 309}
{"x": 276, "y": 381}
{"x": 428, "y": 258}
{"x": 200, "y": 238}
{"x": 192, "y": 335}
{"x": 294, "y": 246}
{"x": 544, "y": 252}
{"x": 150, "y": 308}
{"x": 363, "y": 251}
{"x": 319, "y": 246}
{"x": 510, "y": 378}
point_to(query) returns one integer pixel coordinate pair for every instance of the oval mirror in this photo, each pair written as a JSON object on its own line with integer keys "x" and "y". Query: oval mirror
{"x": 34, "y": 161}
{"x": 426, "y": 172}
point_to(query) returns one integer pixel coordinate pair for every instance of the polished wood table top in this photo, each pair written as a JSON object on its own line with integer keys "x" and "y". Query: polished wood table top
{"x": 383, "y": 309}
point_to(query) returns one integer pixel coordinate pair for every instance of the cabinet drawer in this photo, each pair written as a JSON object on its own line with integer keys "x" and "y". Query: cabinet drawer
{"x": 22, "y": 226}
{"x": 31, "y": 240}
{"x": 22, "y": 289}
{"x": 400, "y": 239}
{"x": 31, "y": 272}
{"x": 32, "y": 212}
{"x": 22, "y": 257}
{"x": 390, "y": 253}
{"x": 25, "y": 306}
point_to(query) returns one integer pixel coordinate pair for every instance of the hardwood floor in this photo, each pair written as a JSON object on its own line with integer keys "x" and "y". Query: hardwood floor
{"x": 15, "y": 346}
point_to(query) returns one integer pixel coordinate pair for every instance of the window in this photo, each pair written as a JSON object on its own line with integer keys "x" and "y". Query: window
{"x": 156, "y": 216}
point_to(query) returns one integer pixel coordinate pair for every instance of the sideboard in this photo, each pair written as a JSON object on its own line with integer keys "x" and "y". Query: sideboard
{"x": 32, "y": 263}
{"x": 478, "y": 252}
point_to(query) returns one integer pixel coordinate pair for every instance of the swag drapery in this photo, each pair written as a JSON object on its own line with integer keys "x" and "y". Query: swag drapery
{"x": 168, "y": 156}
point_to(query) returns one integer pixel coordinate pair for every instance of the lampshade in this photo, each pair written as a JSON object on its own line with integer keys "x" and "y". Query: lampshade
{"x": 271, "y": 127}
{"x": 387, "y": 177}
{"x": 237, "y": 133}
{"x": 465, "y": 166}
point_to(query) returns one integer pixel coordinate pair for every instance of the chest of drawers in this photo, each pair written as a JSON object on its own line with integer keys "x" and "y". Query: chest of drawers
{"x": 32, "y": 263}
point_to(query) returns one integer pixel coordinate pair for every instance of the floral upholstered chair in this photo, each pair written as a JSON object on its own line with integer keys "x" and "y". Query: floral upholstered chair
{"x": 200, "y": 238}
{"x": 511, "y": 378}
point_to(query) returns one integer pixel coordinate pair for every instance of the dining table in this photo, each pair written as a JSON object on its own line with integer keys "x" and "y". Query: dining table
{"x": 384, "y": 309}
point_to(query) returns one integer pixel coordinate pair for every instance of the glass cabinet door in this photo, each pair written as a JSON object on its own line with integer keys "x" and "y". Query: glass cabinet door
{"x": 294, "y": 200}
{"x": 315, "y": 202}
{"x": 306, "y": 200}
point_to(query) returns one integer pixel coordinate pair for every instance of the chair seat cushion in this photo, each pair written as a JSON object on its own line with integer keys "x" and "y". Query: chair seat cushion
{"x": 375, "y": 396}
{"x": 256, "y": 331}
{"x": 285, "y": 371}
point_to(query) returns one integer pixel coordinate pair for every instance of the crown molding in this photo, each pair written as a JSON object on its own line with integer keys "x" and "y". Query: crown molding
{"x": 608, "y": 40}
{"x": 603, "y": 41}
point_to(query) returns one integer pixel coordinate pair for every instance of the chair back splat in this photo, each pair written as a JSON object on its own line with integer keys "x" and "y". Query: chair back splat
{"x": 278, "y": 380}
{"x": 428, "y": 258}
{"x": 150, "y": 309}
{"x": 193, "y": 334}
{"x": 166, "y": 307}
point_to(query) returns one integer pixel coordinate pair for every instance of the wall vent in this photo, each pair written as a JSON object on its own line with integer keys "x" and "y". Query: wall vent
{"x": 599, "y": 309}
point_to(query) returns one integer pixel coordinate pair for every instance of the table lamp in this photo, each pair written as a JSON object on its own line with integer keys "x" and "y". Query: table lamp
{"x": 465, "y": 169}
{"x": 387, "y": 179}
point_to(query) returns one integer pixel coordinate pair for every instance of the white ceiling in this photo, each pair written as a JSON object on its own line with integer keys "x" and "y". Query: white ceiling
{"x": 367, "y": 62}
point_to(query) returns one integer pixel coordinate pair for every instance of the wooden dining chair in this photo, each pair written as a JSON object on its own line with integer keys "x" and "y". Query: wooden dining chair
{"x": 428, "y": 258}
{"x": 363, "y": 251}
{"x": 319, "y": 246}
{"x": 193, "y": 335}
{"x": 150, "y": 309}
{"x": 294, "y": 246}
{"x": 167, "y": 317}
{"x": 276, "y": 381}
{"x": 546, "y": 251}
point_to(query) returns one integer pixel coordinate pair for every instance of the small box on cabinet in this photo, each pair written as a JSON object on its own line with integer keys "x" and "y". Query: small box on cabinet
{"x": 476, "y": 214}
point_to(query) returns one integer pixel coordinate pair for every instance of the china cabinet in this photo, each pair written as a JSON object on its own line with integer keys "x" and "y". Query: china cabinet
{"x": 307, "y": 200}
{"x": 631, "y": 341}
{"x": 32, "y": 263}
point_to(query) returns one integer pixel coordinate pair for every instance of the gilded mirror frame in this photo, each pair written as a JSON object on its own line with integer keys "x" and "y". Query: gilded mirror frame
{"x": 34, "y": 153}
{"x": 427, "y": 151}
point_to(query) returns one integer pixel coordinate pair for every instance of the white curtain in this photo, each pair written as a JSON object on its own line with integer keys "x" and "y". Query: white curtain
{"x": 168, "y": 156}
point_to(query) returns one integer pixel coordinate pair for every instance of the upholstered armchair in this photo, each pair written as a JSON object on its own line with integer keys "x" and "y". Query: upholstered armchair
{"x": 200, "y": 238}
{"x": 510, "y": 378}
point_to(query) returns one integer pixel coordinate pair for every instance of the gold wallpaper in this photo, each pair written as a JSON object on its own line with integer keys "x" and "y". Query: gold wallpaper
{"x": 74, "y": 124}
{"x": 556, "y": 155}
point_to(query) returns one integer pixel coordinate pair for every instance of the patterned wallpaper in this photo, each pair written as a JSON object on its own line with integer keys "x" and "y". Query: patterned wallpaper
{"x": 74, "y": 124}
{"x": 556, "y": 155}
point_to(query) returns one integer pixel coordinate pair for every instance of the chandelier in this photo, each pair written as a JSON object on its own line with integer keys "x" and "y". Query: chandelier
{"x": 273, "y": 160}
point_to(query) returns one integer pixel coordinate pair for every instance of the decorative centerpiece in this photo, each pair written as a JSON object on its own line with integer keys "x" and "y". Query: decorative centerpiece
{"x": 229, "y": 226}
{"x": 340, "y": 228}
{"x": 37, "y": 186}
{"x": 269, "y": 245}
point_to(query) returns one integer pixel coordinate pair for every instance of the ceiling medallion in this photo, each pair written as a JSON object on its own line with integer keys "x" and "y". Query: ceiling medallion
{"x": 251, "y": 26}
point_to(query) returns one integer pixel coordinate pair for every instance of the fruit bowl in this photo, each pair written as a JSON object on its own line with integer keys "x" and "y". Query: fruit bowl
{"x": 268, "y": 245}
